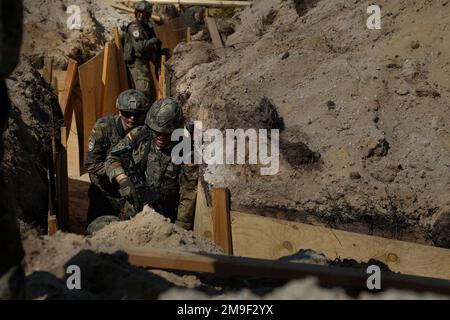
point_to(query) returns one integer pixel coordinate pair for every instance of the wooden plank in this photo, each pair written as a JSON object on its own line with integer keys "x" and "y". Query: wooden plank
{"x": 166, "y": 87}
{"x": 203, "y": 226}
{"x": 222, "y": 221}
{"x": 214, "y": 3}
{"x": 173, "y": 31}
{"x": 47, "y": 72}
{"x": 230, "y": 267}
{"x": 262, "y": 237}
{"x": 215, "y": 36}
{"x": 111, "y": 86}
{"x": 65, "y": 97}
{"x": 162, "y": 76}
{"x": 155, "y": 88}
{"x": 188, "y": 34}
{"x": 52, "y": 225}
{"x": 63, "y": 200}
{"x": 130, "y": 10}
{"x": 91, "y": 91}
{"x": 123, "y": 78}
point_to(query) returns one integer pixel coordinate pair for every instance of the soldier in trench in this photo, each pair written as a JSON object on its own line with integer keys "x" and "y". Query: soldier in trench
{"x": 105, "y": 200}
{"x": 172, "y": 186}
{"x": 141, "y": 46}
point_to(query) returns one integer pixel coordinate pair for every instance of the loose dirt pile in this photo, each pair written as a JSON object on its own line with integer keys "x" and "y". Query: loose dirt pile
{"x": 363, "y": 113}
{"x": 106, "y": 272}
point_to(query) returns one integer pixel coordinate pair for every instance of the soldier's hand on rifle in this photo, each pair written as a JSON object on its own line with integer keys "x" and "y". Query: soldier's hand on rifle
{"x": 127, "y": 190}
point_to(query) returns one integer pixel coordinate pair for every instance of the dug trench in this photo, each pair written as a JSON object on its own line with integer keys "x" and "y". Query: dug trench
{"x": 344, "y": 98}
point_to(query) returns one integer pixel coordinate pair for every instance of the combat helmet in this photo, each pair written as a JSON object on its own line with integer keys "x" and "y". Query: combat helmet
{"x": 144, "y": 6}
{"x": 132, "y": 100}
{"x": 165, "y": 116}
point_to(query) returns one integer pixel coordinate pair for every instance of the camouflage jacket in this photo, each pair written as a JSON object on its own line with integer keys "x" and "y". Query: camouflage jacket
{"x": 141, "y": 44}
{"x": 107, "y": 132}
{"x": 175, "y": 184}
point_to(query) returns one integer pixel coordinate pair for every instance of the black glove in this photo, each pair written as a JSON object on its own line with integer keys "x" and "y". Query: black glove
{"x": 127, "y": 190}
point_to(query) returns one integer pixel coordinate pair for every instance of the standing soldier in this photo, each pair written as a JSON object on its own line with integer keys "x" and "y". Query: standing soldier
{"x": 12, "y": 278}
{"x": 140, "y": 48}
{"x": 150, "y": 147}
{"x": 105, "y": 199}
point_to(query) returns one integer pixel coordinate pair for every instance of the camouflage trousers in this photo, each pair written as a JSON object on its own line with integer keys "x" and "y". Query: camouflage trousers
{"x": 141, "y": 79}
{"x": 104, "y": 198}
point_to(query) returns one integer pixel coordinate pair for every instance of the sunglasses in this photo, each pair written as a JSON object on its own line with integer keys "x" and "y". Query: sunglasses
{"x": 129, "y": 114}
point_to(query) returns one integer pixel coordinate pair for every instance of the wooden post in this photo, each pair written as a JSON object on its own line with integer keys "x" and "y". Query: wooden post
{"x": 52, "y": 225}
{"x": 66, "y": 94}
{"x": 47, "y": 72}
{"x": 62, "y": 178}
{"x": 162, "y": 77}
{"x": 123, "y": 78}
{"x": 222, "y": 220}
{"x": 188, "y": 34}
{"x": 215, "y": 36}
{"x": 203, "y": 214}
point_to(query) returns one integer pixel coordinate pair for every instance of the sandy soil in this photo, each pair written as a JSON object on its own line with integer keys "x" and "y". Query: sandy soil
{"x": 365, "y": 140}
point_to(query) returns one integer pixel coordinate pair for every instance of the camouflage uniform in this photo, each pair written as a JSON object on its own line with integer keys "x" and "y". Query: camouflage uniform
{"x": 107, "y": 132}
{"x": 141, "y": 46}
{"x": 104, "y": 195}
{"x": 11, "y": 251}
{"x": 175, "y": 184}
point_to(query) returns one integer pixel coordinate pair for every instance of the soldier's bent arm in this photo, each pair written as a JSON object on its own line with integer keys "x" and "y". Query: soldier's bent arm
{"x": 95, "y": 160}
{"x": 113, "y": 165}
{"x": 141, "y": 45}
{"x": 188, "y": 195}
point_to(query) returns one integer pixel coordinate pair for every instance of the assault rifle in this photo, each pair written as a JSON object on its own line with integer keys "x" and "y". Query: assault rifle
{"x": 144, "y": 193}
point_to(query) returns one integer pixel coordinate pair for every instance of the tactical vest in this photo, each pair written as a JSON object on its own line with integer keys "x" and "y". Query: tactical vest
{"x": 160, "y": 173}
{"x": 146, "y": 32}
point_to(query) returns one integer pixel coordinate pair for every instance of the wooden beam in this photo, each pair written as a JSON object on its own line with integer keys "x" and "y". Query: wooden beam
{"x": 66, "y": 94}
{"x": 130, "y": 10}
{"x": 111, "y": 86}
{"x": 91, "y": 90}
{"x": 162, "y": 77}
{"x": 215, "y": 3}
{"x": 62, "y": 178}
{"x": 262, "y": 237}
{"x": 222, "y": 221}
{"x": 268, "y": 238}
{"x": 52, "y": 225}
{"x": 230, "y": 267}
{"x": 47, "y": 72}
{"x": 203, "y": 214}
{"x": 155, "y": 89}
{"x": 215, "y": 36}
{"x": 123, "y": 77}
{"x": 188, "y": 34}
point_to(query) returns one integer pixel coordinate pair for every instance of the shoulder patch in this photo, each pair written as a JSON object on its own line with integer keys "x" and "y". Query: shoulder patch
{"x": 91, "y": 145}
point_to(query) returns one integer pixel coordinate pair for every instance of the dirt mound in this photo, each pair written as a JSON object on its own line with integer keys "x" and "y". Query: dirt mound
{"x": 47, "y": 22}
{"x": 147, "y": 230}
{"x": 371, "y": 103}
{"x": 34, "y": 113}
{"x": 106, "y": 271}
